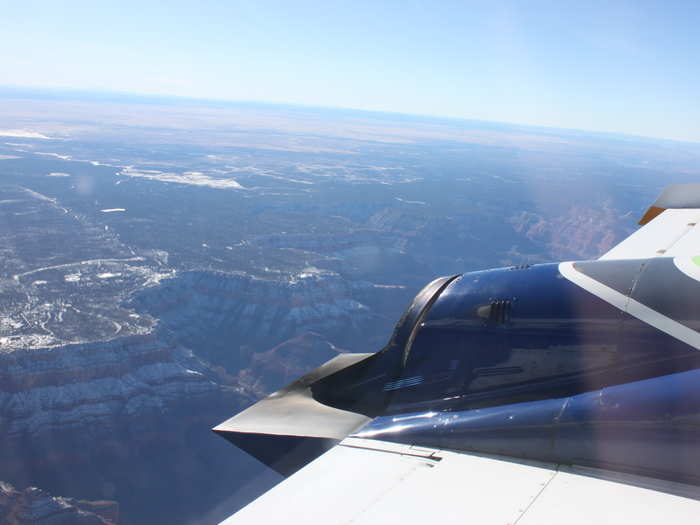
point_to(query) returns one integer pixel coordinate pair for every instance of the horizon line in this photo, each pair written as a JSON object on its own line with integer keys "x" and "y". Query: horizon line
{"x": 116, "y": 94}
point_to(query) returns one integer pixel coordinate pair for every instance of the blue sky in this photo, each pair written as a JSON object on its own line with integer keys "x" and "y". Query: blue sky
{"x": 619, "y": 66}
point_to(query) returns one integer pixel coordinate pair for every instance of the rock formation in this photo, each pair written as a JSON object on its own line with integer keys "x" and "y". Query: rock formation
{"x": 33, "y": 506}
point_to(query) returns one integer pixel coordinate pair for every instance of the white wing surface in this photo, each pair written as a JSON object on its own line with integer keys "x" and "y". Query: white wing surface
{"x": 670, "y": 227}
{"x": 373, "y": 482}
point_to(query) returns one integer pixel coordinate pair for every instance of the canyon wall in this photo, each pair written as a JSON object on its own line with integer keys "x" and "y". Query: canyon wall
{"x": 226, "y": 318}
{"x": 125, "y": 420}
{"x": 33, "y": 505}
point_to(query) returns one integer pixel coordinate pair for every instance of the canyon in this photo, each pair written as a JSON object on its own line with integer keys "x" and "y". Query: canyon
{"x": 156, "y": 280}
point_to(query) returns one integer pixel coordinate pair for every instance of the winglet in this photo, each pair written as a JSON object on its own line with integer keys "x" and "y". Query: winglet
{"x": 674, "y": 196}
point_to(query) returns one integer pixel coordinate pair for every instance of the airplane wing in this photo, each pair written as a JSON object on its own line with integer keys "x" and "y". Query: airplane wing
{"x": 669, "y": 227}
{"x": 371, "y": 482}
{"x": 530, "y": 395}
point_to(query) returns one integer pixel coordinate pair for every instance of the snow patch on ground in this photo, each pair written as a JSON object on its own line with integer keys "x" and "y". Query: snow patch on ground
{"x": 58, "y": 156}
{"x": 194, "y": 178}
{"x": 22, "y": 133}
{"x": 409, "y": 202}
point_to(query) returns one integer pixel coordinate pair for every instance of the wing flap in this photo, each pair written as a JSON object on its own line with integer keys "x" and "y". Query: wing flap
{"x": 577, "y": 499}
{"x": 389, "y": 484}
{"x": 367, "y": 482}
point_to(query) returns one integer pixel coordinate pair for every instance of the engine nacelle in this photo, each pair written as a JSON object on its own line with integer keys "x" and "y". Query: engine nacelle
{"x": 522, "y": 333}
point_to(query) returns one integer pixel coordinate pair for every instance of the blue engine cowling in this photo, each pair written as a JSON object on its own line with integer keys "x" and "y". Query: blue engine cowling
{"x": 517, "y": 334}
